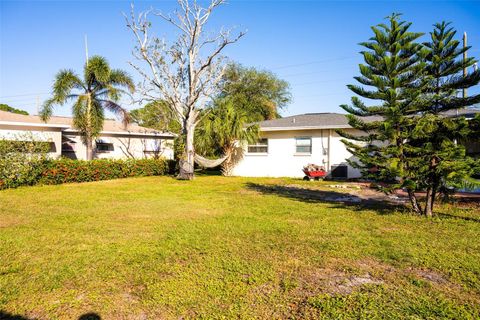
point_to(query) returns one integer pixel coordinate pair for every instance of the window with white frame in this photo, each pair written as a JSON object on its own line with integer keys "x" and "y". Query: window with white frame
{"x": 104, "y": 145}
{"x": 303, "y": 145}
{"x": 261, "y": 146}
{"x": 153, "y": 146}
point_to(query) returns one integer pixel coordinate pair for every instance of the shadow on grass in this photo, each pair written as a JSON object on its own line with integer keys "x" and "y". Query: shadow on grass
{"x": 89, "y": 316}
{"x": 337, "y": 199}
{"x": 452, "y": 216}
{"x": 8, "y": 316}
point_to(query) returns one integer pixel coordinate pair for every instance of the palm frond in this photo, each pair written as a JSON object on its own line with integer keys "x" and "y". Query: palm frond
{"x": 65, "y": 82}
{"x": 123, "y": 79}
{"x": 97, "y": 70}
{"x": 117, "y": 110}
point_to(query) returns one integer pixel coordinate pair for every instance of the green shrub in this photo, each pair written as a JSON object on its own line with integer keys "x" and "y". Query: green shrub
{"x": 22, "y": 161}
{"x": 67, "y": 170}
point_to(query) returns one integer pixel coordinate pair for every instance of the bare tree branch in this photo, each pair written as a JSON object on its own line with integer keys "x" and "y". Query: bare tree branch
{"x": 185, "y": 73}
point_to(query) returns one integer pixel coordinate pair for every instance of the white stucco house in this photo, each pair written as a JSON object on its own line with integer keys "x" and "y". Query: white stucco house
{"x": 288, "y": 144}
{"x": 114, "y": 142}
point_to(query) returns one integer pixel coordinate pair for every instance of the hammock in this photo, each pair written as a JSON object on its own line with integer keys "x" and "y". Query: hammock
{"x": 208, "y": 163}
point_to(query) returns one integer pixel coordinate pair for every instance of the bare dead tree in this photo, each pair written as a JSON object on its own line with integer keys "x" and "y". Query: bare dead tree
{"x": 185, "y": 73}
{"x": 126, "y": 150}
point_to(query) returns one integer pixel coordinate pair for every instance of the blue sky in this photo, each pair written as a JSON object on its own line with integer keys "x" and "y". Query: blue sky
{"x": 311, "y": 44}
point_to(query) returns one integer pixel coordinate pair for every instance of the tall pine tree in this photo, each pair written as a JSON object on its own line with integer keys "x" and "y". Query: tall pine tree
{"x": 414, "y": 142}
{"x": 391, "y": 73}
{"x": 436, "y": 138}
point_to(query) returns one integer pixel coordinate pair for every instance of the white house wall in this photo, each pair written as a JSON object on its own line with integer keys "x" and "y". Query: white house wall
{"x": 36, "y": 133}
{"x": 123, "y": 147}
{"x": 282, "y": 160}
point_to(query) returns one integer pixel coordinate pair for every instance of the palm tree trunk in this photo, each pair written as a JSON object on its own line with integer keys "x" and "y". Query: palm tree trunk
{"x": 227, "y": 165}
{"x": 89, "y": 139}
{"x": 188, "y": 157}
{"x": 89, "y": 145}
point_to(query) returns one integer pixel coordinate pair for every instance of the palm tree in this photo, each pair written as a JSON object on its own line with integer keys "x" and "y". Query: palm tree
{"x": 100, "y": 90}
{"x": 223, "y": 131}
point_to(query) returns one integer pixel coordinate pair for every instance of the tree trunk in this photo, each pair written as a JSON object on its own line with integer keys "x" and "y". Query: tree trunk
{"x": 434, "y": 194}
{"x": 227, "y": 165}
{"x": 432, "y": 190}
{"x": 89, "y": 145}
{"x": 429, "y": 203}
{"x": 413, "y": 200}
{"x": 188, "y": 157}
{"x": 431, "y": 196}
{"x": 88, "y": 138}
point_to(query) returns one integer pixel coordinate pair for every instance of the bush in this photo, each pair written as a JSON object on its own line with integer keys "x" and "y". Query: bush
{"x": 22, "y": 161}
{"x": 21, "y": 169}
{"x": 66, "y": 170}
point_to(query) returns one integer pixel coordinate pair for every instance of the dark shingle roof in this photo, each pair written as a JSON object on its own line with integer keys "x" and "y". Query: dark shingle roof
{"x": 332, "y": 120}
{"x": 309, "y": 121}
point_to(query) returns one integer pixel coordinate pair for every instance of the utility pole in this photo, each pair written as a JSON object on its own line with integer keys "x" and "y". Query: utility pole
{"x": 38, "y": 105}
{"x": 464, "y": 61}
{"x": 86, "y": 49}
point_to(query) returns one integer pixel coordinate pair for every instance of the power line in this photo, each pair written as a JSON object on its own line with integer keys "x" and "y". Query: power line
{"x": 24, "y": 95}
{"x": 320, "y": 95}
{"x": 311, "y": 62}
{"x": 311, "y": 72}
{"x": 321, "y": 81}
{"x": 26, "y": 100}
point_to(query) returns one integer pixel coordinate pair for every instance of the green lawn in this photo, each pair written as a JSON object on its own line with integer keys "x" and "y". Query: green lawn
{"x": 155, "y": 248}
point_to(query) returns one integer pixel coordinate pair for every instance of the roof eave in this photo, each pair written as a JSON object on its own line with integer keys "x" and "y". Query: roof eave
{"x": 131, "y": 133}
{"x": 33, "y": 124}
{"x": 304, "y": 128}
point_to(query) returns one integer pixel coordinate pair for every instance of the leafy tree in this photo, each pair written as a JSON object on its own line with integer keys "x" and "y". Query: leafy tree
{"x": 223, "y": 130}
{"x": 259, "y": 93}
{"x": 156, "y": 115}
{"x": 99, "y": 90}
{"x": 247, "y": 96}
{"x": 6, "y": 107}
{"x": 391, "y": 72}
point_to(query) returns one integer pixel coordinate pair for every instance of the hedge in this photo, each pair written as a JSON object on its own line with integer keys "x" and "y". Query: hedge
{"x": 66, "y": 170}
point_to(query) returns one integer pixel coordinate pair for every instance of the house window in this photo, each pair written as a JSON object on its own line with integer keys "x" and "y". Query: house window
{"x": 153, "y": 147}
{"x": 68, "y": 145}
{"x": 104, "y": 145}
{"x": 261, "y": 146}
{"x": 303, "y": 145}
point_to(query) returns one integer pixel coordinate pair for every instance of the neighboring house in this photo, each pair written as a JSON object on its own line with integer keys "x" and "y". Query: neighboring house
{"x": 287, "y": 144}
{"x": 114, "y": 142}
